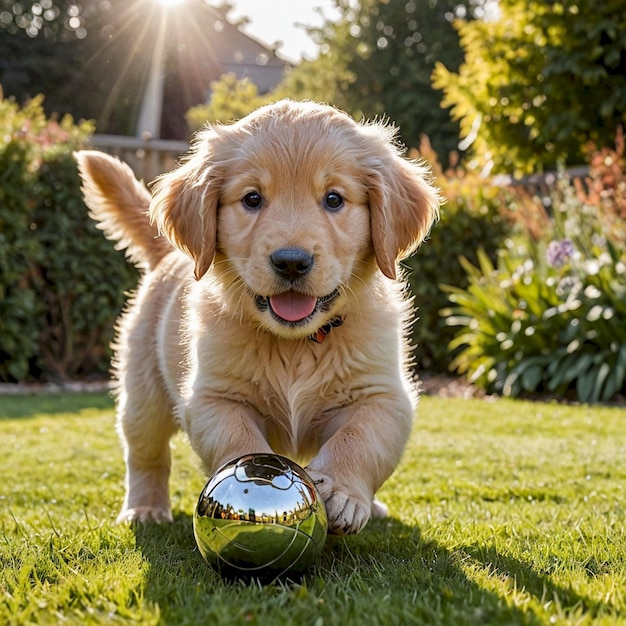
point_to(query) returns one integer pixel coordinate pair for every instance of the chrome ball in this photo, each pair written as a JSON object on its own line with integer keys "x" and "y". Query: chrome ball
{"x": 260, "y": 514}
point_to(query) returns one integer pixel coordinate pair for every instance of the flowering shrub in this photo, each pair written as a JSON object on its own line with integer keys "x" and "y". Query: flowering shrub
{"x": 559, "y": 252}
{"x": 550, "y": 314}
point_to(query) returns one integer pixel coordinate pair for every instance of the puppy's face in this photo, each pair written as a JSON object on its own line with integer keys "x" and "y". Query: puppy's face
{"x": 294, "y": 206}
{"x": 293, "y": 230}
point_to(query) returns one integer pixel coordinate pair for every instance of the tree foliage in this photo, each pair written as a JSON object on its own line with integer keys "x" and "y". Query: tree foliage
{"x": 377, "y": 60}
{"x": 52, "y": 20}
{"x": 91, "y": 59}
{"x": 539, "y": 81}
{"x": 231, "y": 99}
{"x": 77, "y": 55}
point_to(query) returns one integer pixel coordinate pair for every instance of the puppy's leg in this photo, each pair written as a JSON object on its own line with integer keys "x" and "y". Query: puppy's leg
{"x": 364, "y": 448}
{"x": 221, "y": 430}
{"x": 146, "y": 425}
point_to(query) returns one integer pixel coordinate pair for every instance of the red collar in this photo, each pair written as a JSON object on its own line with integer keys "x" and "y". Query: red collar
{"x": 320, "y": 334}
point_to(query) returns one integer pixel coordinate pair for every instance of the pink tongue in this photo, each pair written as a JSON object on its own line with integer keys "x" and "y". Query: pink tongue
{"x": 293, "y": 306}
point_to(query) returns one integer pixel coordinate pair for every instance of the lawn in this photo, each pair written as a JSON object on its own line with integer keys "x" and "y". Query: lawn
{"x": 502, "y": 512}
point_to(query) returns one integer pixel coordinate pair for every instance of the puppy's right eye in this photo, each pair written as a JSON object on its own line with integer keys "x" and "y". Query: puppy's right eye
{"x": 252, "y": 201}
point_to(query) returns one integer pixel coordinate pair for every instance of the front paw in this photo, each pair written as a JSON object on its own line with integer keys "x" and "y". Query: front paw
{"x": 145, "y": 515}
{"x": 347, "y": 514}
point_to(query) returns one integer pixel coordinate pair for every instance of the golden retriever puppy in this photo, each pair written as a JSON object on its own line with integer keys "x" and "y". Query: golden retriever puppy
{"x": 268, "y": 317}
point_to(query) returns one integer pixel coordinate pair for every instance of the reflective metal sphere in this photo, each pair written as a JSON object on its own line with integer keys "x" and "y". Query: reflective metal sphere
{"x": 260, "y": 514}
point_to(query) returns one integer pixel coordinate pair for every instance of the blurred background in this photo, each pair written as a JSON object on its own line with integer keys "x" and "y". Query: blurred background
{"x": 518, "y": 106}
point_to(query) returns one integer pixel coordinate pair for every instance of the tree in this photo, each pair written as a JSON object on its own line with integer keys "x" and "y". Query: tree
{"x": 539, "y": 81}
{"x": 77, "y": 55}
{"x": 91, "y": 59}
{"x": 377, "y": 60}
{"x": 231, "y": 99}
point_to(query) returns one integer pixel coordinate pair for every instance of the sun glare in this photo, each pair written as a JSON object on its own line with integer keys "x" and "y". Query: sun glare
{"x": 169, "y": 3}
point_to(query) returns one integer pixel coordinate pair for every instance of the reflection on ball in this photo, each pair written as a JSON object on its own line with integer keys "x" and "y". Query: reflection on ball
{"x": 260, "y": 514}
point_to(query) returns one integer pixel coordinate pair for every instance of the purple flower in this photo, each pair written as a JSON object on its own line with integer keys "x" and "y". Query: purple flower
{"x": 559, "y": 252}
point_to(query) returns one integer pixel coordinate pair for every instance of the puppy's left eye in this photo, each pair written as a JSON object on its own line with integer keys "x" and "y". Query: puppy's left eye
{"x": 333, "y": 201}
{"x": 252, "y": 201}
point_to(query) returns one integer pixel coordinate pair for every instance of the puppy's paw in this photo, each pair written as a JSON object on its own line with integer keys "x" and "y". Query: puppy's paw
{"x": 347, "y": 514}
{"x": 145, "y": 515}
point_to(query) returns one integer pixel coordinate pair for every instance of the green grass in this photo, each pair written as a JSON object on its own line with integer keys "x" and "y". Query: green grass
{"x": 502, "y": 512}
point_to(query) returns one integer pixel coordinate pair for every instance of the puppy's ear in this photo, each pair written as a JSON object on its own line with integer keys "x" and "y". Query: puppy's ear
{"x": 403, "y": 207}
{"x": 184, "y": 206}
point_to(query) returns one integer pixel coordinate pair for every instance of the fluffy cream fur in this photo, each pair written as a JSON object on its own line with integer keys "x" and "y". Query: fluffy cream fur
{"x": 200, "y": 349}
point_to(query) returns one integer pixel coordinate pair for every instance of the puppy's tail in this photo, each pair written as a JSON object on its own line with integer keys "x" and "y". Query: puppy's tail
{"x": 119, "y": 204}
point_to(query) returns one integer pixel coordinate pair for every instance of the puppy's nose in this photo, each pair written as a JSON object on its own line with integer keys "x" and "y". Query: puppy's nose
{"x": 291, "y": 263}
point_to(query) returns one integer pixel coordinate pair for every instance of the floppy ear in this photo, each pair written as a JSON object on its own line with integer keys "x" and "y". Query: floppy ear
{"x": 403, "y": 207}
{"x": 184, "y": 208}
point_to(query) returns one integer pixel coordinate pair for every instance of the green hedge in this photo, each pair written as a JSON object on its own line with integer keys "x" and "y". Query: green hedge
{"x": 61, "y": 283}
{"x": 471, "y": 218}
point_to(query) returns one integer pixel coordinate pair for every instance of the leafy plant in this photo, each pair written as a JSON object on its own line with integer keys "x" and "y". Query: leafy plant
{"x": 546, "y": 316}
{"x": 470, "y": 218}
{"x": 61, "y": 282}
{"x": 18, "y": 248}
{"x": 231, "y": 99}
{"x": 524, "y": 93}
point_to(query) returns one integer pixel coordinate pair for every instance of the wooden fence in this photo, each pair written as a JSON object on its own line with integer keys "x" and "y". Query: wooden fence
{"x": 148, "y": 158}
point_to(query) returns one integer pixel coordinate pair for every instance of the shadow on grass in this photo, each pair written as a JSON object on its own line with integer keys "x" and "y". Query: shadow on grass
{"x": 540, "y": 585}
{"x": 389, "y": 573}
